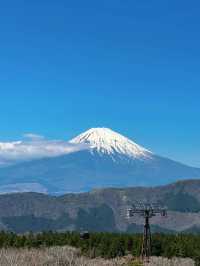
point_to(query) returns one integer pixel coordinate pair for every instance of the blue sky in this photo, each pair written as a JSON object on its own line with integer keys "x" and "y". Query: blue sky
{"x": 133, "y": 66}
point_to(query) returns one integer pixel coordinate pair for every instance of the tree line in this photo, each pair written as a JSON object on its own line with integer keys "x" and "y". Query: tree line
{"x": 108, "y": 245}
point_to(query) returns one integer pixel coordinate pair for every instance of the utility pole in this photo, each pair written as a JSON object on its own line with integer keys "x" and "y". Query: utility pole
{"x": 147, "y": 211}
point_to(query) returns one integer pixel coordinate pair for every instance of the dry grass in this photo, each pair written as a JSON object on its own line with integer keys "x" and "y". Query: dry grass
{"x": 67, "y": 256}
{"x": 54, "y": 256}
{"x": 158, "y": 261}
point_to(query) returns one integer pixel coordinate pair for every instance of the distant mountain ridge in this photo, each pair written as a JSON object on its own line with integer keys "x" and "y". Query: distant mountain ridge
{"x": 103, "y": 209}
{"x": 106, "y": 159}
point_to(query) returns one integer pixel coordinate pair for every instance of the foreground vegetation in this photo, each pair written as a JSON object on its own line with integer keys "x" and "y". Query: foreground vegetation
{"x": 107, "y": 245}
{"x": 53, "y": 256}
{"x": 68, "y": 256}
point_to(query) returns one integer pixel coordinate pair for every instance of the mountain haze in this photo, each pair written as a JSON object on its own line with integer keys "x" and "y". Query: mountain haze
{"x": 108, "y": 159}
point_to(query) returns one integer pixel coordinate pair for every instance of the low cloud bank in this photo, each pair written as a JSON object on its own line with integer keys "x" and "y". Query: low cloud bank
{"x": 34, "y": 147}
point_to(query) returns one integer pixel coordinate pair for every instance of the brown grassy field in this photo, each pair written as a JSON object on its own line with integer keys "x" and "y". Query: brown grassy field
{"x": 67, "y": 256}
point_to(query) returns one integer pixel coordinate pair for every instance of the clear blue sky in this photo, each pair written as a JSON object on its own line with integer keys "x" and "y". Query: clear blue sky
{"x": 133, "y": 66}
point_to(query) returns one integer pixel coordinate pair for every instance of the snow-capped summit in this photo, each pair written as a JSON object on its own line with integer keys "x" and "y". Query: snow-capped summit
{"x": 106, "y": 141}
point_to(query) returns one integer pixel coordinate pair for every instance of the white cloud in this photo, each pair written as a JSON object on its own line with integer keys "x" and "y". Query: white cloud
{"x": 35, "y": 147}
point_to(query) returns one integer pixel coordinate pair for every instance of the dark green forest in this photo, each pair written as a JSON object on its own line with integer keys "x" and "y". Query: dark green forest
{"x": 109, "y": 245}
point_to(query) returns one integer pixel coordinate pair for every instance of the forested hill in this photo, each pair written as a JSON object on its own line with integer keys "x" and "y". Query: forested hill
{"x": 102, "y": 209}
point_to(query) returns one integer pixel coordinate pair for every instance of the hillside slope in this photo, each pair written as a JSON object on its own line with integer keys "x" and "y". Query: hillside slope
{"x": 102, "y": 209}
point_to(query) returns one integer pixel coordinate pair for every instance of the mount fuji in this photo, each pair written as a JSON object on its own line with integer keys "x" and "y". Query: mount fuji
{"x": 104, "y": 141}
{"x": 106, "y": 159}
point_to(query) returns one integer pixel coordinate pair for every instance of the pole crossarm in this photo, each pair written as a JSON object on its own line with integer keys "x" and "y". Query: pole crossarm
{"x": 146, "y": 209}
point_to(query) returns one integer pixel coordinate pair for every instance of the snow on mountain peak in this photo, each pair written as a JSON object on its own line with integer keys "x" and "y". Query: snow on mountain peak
{"x": 106, "y": 141}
